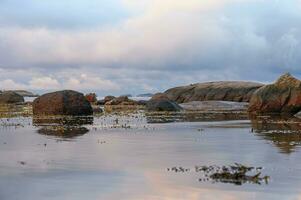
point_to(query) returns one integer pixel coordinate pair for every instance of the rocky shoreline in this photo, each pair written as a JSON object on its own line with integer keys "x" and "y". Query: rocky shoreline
{"x": 281, "y": 97}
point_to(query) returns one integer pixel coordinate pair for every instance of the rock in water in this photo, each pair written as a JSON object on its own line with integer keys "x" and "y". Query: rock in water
{"x": 10, "y": 97}
{"x": 237, "y": 91}
{"x": 66, "y": 102}
{"x": 160, "y": 102}
{"x": 284, "y": 96}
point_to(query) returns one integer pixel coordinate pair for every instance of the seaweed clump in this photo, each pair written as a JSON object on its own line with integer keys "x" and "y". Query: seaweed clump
{"x": 236, "y": 174}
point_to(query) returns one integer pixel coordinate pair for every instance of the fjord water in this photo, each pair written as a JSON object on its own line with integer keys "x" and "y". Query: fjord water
{"x": 128, "y": 157}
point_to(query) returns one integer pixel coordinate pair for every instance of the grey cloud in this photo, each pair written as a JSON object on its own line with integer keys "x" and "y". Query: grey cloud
{"x": 257, "y": 41}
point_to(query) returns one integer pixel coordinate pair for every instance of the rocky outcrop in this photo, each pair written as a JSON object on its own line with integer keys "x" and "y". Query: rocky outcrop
{"x": 24, "y": 93}
{"x": 284, "y": 96}
{"x": 160, "y": 102}
{"x": 218, "y": 91}
{"x": 66, "y": 102}
{"x": 10, "y": 98}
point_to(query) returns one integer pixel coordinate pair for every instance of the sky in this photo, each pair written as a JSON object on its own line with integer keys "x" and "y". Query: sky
{"x": 141, "y": 46}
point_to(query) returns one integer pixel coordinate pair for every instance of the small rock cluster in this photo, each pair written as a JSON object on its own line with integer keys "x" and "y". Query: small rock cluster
{"x": 236, "y": 174}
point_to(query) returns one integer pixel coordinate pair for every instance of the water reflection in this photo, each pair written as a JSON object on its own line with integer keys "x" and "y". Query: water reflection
{"x": 66, "y": 121}
{"x": 283, "y": 131}
{"x": 63, "y": 132}
{"x": 62, "y": 127}
{"x": 188, "y": 116}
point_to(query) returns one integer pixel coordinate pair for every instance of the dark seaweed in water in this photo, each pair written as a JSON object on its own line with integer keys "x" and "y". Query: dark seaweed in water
{"x": 235, "y": 174}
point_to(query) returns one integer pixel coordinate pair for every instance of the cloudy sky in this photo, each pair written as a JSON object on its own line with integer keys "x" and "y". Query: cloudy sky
{"x": 137, "y": 46}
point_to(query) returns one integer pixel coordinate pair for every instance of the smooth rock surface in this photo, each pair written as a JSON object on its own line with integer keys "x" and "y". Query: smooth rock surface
{"x": 66, "y": 102}
{"x": 160, "y": 102}
{"x": 237, "y": 91}
{"x": 284, "y": 96}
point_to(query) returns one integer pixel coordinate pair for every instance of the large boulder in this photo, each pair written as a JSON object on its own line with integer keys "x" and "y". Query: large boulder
{"x": 284, "y": 96}
{"x": 160, "y": 102}
{"x": 66, "y": 102}
{"x": 10, "y": 97}
{"x": 237, "y": 91}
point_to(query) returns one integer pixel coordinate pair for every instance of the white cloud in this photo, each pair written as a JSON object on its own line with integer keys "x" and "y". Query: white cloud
{"x": 66, "y": 79}
{"x": 159, "y": 7}
{"x": 44, "y": 83}
{"x": 9, "y": 84}
{"x": 163, "y": 43}
{"x": 154, "y": 36}
{"x": 89, "y": 82}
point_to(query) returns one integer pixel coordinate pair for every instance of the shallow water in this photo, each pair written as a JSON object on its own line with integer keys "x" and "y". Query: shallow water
{"x": 128, "y": 157}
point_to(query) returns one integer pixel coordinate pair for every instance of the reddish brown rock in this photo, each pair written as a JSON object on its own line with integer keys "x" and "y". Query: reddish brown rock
{"x": 91, "y": 97}
{"x": 284, "y": 96}
{"x": 237, "y": 91}
{"x": 66, "y": 102}
{"x": 159, "y": 96}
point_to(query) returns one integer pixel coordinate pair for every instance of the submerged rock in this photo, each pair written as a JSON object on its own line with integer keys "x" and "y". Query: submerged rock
{"x": 66, "y": 102}
{"x": 215, "y": 106}
{"x": 218, "y": 91}
{"x": 160, "y": 102}
{"x": 284, "y": 96}
{"x": 10, "y": 97}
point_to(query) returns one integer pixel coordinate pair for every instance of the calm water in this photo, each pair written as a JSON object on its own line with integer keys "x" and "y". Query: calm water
{"x": 127, "y": 157}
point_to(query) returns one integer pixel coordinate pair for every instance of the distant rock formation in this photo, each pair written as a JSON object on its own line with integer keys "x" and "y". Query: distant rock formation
{"x": 24, "y": 93}
{"x": 66, "y": 102}
{"x": 237, "y": 91}
{"x": 160, "y": 102}
{"x": 145, "y": 95}
{"x": 122, "y": 100}
{"x": 105, "y": 100}
{"x": 9, "y": 97}
{"x": 126, "y": 95}
{"x": 284, "y": 96}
